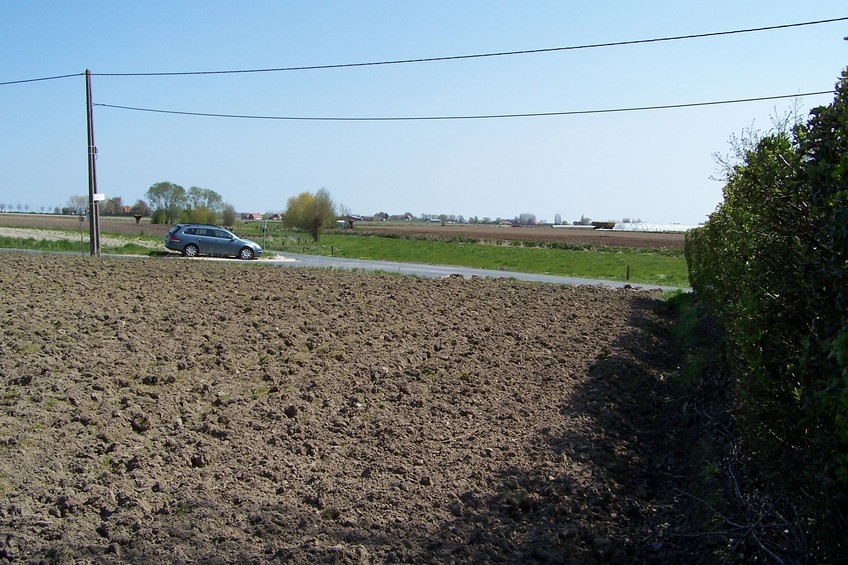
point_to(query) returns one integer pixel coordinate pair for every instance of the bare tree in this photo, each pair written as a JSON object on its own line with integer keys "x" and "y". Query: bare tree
{"x": 77, "y": 205}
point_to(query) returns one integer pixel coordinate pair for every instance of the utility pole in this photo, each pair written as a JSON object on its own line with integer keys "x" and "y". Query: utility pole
{"x": 93, "y": 197}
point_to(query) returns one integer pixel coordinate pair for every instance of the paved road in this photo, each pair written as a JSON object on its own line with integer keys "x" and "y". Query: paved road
{"x": 431, "y": 271}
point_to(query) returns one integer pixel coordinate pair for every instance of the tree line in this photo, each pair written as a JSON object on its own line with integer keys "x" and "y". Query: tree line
{"x": 168, "y": 202}
{"x": 310, "y": 212}
{"x": 78, "y": 205}
{"x": 171, "y": 203}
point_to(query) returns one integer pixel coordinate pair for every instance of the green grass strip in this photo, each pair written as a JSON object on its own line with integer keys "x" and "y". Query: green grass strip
{"x": 644, "y": 266}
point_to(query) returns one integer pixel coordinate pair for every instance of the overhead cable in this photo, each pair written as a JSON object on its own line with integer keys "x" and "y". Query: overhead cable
{"x": 483, "y": 55}
{"x": 467, "y": 117}
{"x": 41, "y": 79}
{"x": 447, "y": 58}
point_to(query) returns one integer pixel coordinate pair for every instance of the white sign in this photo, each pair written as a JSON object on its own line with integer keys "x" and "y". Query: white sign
{"x": 98, "y": 197}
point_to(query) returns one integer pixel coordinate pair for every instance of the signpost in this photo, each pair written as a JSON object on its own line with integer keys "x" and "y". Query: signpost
{"x": 82, "y": 245}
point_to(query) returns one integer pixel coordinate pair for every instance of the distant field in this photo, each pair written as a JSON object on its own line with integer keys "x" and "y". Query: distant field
{"x": 124, "y": 226}
{"x": 548, "y": 234}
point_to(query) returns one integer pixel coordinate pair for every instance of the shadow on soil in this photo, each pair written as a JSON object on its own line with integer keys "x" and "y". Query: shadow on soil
{"x": 613, "y": 499}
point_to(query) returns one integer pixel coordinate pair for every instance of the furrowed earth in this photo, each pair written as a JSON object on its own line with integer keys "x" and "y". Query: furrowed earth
{"x": 186, "y": 411}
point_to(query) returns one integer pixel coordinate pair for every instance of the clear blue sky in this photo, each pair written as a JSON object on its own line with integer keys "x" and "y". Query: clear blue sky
{"x": 654, "y": 165}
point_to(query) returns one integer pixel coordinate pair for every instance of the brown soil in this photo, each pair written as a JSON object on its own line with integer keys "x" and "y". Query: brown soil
{"x": 184, "y": 411}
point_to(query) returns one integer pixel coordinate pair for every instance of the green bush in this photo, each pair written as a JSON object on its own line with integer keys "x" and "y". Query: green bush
{"x": 199, "y": 215}
{"x": 159, "y": 216}
{"x": 772, "y": 262}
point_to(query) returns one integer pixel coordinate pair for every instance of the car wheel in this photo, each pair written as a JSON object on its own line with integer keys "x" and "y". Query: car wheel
{"x": 190, "y": 250}
{"x": 246, "y": 253}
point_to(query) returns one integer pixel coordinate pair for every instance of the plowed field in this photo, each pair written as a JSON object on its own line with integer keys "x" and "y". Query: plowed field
{"x": 220, "y": 412}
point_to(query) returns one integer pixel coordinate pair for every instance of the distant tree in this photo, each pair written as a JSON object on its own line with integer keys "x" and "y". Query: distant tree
{"x": 381, "y": 217}
{"x": 26, "y": 207}
{"x": 113, "y": 206}
{"x": 204, "y": 198}
{"x": 159, "y": 216}
{"x": 526, "y": 219}
{"x": 443, "y": 218}
{"x": 310, "y": 212}
{"x": 168, "y": 197}
{"x": 558, "y": 219}
{"x": 140, "y": 208}
{"x": 77, "y": 205}
{"x": 57, "y": 210}
{"x": 228, "y": 215}
{"x": 199, "y": 215}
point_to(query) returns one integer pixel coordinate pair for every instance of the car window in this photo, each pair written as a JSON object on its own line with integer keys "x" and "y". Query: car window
{"x": 222, "y": 234}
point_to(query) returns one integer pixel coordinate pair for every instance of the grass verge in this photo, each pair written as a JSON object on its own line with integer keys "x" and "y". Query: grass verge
{"x": 73, "y": 246}
{"x": 615, "y": 264}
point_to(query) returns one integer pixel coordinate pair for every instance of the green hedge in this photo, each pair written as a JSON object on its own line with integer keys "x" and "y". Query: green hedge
{"x": 772, "y": 262}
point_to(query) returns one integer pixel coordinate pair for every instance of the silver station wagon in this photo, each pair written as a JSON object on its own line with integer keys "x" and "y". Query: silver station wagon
{"x": 200, "y": 239}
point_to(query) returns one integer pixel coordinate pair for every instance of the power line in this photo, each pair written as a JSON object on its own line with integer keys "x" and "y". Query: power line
{"x": 466, "y": 117}
{"x": 447, "y": 58}
{"x": 483, "y": 55}
{"x": 41, "y": 79}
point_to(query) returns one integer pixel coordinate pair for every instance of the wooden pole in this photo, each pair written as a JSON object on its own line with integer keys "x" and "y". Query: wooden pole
{"x": 93, "y": 209}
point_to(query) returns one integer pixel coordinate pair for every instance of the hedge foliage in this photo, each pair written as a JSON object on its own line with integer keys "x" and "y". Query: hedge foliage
{"x": 772, "y": 262}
